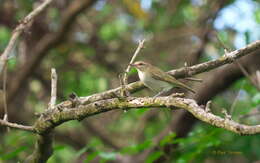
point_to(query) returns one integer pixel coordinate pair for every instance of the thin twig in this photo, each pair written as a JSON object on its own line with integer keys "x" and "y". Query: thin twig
{"x": 228, "y": 50}
{"x": 253, "y": 113}
{"x": 19, "y": 30}
{"x": 231, "y": 111}
{"x": 5, "y": 96}
{"x": 251, "y": 79}
{"x": 17, "y": 126}
{"x": 193, "y": 79}
{"x": 54, "y": 79}
{"x": 140, "y": 46}
{"x": 4, "y": 93}
{"x": 243, "y": 70}
{"x": 208, "y": 106}
{"x": 257, "y": 74}
{"x": 124, "y": 77}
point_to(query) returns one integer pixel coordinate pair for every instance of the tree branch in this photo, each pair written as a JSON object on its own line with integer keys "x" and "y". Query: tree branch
{"x": 17, "y": 126}
{"x": 181, "y": 72}
{"x": 54, "y": 79}
{"x": 65, "y": 112}
{"x": 43, "y": 147}
{"x": 225, "y": 59}
{"x": 48, "y": 42}
{"x": 125, "y": 76}
{"x": 19, "y": 30}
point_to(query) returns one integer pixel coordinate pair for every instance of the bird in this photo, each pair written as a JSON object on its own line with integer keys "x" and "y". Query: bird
{"x": 156, "y": 79}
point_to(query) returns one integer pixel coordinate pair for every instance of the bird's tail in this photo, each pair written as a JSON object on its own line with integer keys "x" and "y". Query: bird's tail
{"x": 186, "y": 87}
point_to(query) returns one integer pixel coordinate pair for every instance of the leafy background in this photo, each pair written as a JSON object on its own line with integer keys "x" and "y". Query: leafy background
{"x": 98, "y": 48}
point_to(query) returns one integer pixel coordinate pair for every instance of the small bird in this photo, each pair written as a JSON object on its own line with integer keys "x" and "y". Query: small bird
{"x": 156, "y": 79}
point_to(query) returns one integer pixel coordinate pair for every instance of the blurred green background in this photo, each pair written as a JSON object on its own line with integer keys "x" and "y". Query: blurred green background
{"x": 96, "y": 46}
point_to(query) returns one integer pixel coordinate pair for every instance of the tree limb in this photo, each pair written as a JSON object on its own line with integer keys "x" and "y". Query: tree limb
{"x": 181, "y": 72}
{"x": 19, "y": 30}
{"x": 43, "y": 147}
{"x": 47, "y": 43}
{"x": 17, "y": 126}
{"x": 65, "y": 112}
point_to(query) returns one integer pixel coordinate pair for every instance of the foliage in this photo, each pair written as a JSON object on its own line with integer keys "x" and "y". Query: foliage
{"x": 99, "y": 47}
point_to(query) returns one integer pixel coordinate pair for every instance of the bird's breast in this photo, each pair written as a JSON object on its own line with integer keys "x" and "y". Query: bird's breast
{"x": 153, "y": 84}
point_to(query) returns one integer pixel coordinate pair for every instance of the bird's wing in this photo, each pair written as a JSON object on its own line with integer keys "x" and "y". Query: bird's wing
{"x": 160, "y": 75}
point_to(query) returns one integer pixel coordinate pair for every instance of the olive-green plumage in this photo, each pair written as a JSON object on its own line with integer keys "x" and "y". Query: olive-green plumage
{"x": 156, "y": 79}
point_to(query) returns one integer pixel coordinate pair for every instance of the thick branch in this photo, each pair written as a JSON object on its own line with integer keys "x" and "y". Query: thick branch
{"x": 43, "y": 149}
{"x": 65, "y": 112}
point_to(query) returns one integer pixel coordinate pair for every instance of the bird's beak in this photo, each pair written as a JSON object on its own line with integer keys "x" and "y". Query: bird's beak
{"x": 132, "y": 65}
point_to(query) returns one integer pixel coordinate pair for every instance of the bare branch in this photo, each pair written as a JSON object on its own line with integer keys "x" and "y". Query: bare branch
{"x": 257, "y": 74}
{"x": 5, "y": 96}
{"x": 243, "y": 70}
{"x": 124, "y": 79}
{"x": 232, "y": 108}
{"x": 48, "y": 42}
{"x": 207, "y": 66}
{"x": 63, "y": 113}
{"x": 193, "y": 79}
{"x": 54, "y": 79}
{"x": 251, "y": 79}
{"x": 208, "y": 105}
{"x": 181, "y": 72}
{"x": 19, "y": 30}
{"x": 140, "y": 46}
{"x": 17, "y": 126}
{"x": 43, "y": 147}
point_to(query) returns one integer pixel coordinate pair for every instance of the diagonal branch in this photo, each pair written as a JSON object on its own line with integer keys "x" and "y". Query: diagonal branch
{"x": 125, "y": 76}
{"x": 225, "y": 59}
{"x": 48, "y": 42}
{"x": 181, "y": 72}
{"x": 19, "y": 30}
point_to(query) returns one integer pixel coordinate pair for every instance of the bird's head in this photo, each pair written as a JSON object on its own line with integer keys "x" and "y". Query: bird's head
{"x": 141, "y": 65}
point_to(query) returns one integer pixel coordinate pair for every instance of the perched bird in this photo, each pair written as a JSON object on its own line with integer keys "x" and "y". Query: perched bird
{"x": 156, "y": 79}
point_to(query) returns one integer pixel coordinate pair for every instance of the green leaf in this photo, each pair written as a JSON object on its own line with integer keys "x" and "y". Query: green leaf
{"x": 153, "y": 156}
{"x": 256, "y": 99}
{"x": 5, "y": 35}
{"x": 110, "y": 31}
{"x": 91, "y": 157}
{"x": 13, "y": 154}
{"x": 167, "y": 139}
{"x": 12, "y": 62}
{"x": 257, "y": 16}
{"x": 59, "y": 147}
{"x": 133, "y": 149}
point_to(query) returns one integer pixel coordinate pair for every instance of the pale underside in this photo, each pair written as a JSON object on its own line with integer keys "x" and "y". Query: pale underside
{"x": 154, "y": 84}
